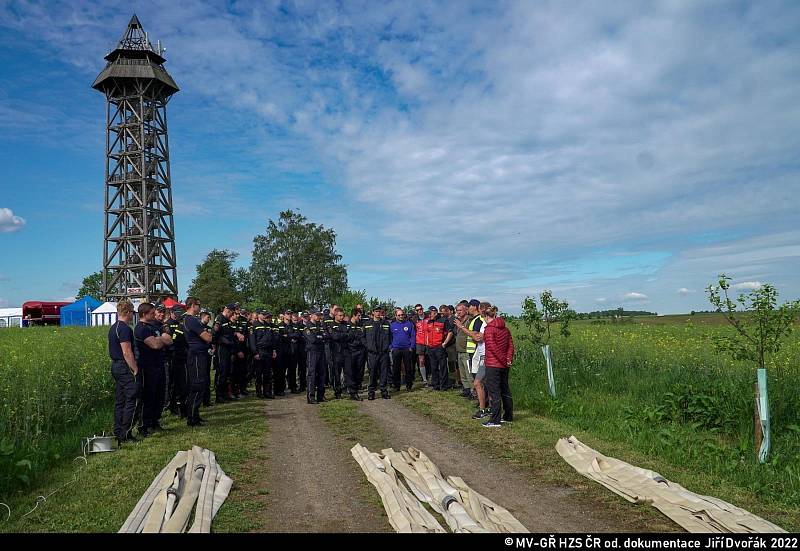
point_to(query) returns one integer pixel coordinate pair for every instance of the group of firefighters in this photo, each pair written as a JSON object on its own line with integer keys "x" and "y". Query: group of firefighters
{"x": 175, "y": 350}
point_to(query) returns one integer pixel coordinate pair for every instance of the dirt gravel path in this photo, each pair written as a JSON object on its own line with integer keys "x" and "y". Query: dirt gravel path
{"x": 539, "y": 508}
{"x": 311, "y": 477}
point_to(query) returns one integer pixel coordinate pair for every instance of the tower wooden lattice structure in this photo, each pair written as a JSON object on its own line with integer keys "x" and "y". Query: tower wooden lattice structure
{"x": 139, "y": 251}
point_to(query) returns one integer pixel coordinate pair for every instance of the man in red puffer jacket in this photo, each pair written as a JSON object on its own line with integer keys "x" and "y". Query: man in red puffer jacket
{"x": 498, "y": 359}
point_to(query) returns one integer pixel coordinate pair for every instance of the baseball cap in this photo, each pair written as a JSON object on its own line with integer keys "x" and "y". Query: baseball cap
{"x": 313, "y": 311}
{"x": 433, "y": 308}
{"x": 231, "y": 306}
{"x": 475, "y": 302}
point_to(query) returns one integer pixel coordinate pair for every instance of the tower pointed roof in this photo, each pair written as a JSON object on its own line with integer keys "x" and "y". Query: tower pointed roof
{"x": 135, "y": 57}
{"x": 134, "y": 37}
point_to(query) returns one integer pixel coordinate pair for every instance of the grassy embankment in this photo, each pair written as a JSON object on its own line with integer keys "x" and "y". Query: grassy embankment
{"x": 658, "y": 397}
{"x": 56, "y": 388}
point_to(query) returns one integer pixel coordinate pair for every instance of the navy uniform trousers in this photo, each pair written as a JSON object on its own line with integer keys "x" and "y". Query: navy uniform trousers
{"x": 378, "y": 370}
{"x": 316, "y": 373}
{"x": 154, "y": 381}
{"x": 127, "y": 406}
{"x": 196, "y": 369}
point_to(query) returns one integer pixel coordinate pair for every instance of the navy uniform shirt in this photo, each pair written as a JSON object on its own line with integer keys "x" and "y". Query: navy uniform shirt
{"x": 146, "y": 356}
{"x": 118, "y": 333}
{"x": 193, "y": 331}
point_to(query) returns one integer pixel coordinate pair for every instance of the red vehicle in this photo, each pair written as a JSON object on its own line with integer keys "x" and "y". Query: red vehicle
{"x": 37, "y": 312}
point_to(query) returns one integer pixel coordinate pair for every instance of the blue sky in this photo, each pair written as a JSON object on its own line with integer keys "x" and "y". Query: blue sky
{"x": 620, "y": 154}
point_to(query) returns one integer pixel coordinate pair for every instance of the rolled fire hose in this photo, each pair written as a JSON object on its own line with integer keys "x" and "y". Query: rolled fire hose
{"x": 136, "y": 519}
{"x": 406, "y": 514}
{"x": 694, "y": 512}
{"x": 443, "y": 498}
{"x": 424, "y": 479}
{"x": 180, "y": 517}
{"x": 486, "y": 512}
{"x": 192, "y": 478}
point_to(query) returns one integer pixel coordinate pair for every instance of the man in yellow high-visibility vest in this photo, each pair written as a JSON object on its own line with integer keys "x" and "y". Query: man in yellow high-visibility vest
{"x": 475, "y": 349}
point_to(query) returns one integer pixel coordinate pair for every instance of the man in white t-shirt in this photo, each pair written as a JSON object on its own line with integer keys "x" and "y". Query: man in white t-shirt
{"x": 477, "y": 366}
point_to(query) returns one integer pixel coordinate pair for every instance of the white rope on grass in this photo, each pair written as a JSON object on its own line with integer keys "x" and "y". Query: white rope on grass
{"x": 43, "y": 499}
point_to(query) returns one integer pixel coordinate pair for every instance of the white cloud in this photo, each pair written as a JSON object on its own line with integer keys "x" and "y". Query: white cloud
{"x": 748, "y": 285}
{"x": 592, "y": 120}
{"x": 9, "y": 222}
{"x": 683, "y": 291}
{"x": 67, "y": 299}
{"x": 635, "y": 297}
{"x": 600, "y": 300}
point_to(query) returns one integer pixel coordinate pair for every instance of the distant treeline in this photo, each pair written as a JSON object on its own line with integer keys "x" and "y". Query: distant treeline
{"x": 618, "y": 312}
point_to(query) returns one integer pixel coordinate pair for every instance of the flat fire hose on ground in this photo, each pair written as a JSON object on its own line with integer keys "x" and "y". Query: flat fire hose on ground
{"x": 695, "y": 513}
{"x": 192, "y": 478}
{"x": 406, "y": 514}
{"x": 445, "y": 496}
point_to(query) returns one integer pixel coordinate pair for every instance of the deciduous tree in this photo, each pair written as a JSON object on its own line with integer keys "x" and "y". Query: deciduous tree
{"x": 295, "y": 264}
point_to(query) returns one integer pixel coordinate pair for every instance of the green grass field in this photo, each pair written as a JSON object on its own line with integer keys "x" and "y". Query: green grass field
{"x": 656, "y": 395}
{"x": 663, "y": 391}
{"x": 55, "y": 387}
{"x": 99, "y": 494}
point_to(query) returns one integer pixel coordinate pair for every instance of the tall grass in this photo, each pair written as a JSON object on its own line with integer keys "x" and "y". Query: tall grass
{"x": 664, "y": 391}
{"x": 52, "y": 382}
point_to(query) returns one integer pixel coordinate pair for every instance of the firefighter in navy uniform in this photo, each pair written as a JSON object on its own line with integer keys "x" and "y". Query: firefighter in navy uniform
{"x": 168, "y": 326}
{"x": 224, "y": 343}
{"x": 125, "y": 372}
{"x": 283, "y": 347}
{"x": 378, "y": 341}
{"x": 239, "y": 373}
{"x": 149, "y": 343}
{"x": 177, "y": 362}
{"x": 315, "y": 338}
{"x": 205, "y": 319}
{"x": 358, "y": 354}
{"x": 275, "y": 321}
{"x": 341, "y": 335}
{"x": 327, "y": 323}
{"x": 365, "y": 319}
{"x": 293, "y": 334}
{"x": 263, "y": 350}
{"x": 300, "y": 355}
{"x": 197, "y": 341}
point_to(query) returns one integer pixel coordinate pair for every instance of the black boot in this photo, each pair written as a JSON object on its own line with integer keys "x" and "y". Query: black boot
{"x": 385, "y": 395}
{"x": 371, "y": 396}
{"x": 355, "y": 396}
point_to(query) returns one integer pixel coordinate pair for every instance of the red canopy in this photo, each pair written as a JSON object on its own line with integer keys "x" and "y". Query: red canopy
{"x": 169, "y": 302}
{"x": 43, "y": 311}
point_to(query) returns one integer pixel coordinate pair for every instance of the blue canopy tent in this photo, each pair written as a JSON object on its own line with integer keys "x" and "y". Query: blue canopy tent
{"x": 79, "y": 312}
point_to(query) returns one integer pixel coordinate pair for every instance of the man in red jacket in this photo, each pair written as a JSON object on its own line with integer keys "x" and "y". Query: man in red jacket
{"x": 419, "y": 321}
{"x": 498, "y": 359}
{"x": 438, "y": 333}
